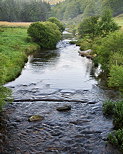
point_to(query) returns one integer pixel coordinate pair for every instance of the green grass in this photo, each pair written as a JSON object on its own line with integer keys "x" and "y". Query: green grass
{"x": 15, "y": 45}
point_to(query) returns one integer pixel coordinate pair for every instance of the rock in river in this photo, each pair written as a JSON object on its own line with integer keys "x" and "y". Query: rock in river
{"x": 35, "y": 118}
{"x": 64, "y": 108}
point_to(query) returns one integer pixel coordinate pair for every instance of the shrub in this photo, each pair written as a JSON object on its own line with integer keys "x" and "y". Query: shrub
{"x": 114, "y": 109}
{"x": 116, "y": 77}
{"x": 46, "y": 34}
{"x": 57, "y": 22}
{"x": 108, "y": 108}
{"x": 116, "y": 138}
{"x": 118, "y": 115}
{"x": 107, "y": 47}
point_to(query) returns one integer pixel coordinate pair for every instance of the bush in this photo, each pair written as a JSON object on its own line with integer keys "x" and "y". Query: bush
{"x": 58, "y": 23}
{"x": 107, "y": 47}
{"x": 46, "y": 34}
{"x": 116, "y": 138}
{"x": 108, "y": 108}
{"x": 118, "y": 115}
{"x": 116, "y": 77}
{"x": 114, "y": 109}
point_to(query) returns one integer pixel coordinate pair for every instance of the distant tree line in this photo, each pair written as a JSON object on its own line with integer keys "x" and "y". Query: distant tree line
{"x": 27, "y": 11}
{"x": 70, "y": 9}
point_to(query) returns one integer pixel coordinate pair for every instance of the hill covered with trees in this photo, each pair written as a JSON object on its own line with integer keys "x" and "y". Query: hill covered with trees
{"x": 24, "y": 10}
{"x": 70, "y": 9}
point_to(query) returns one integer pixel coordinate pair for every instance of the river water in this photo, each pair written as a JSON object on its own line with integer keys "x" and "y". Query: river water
{"x": 52, "y": 78}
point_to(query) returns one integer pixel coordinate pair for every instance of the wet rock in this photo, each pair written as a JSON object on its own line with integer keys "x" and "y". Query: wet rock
{"x": 64, "y": 108}
{"x": 77, "y": 122}
{"x": 35, "y": 118}
{"x": 92, "y": 102}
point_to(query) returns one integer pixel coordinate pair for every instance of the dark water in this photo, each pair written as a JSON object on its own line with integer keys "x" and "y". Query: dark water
{"x": 58, "y": 74}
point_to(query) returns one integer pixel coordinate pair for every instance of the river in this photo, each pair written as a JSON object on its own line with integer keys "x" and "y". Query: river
{"x": 52, "y": 78}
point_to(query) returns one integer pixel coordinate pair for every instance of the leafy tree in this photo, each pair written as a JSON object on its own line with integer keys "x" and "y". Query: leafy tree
{"x": 89, "y": 27}
{"x": 106, "y": 23}
{"x": 57, "y": 22}
{"x": 94, "y": 26}
{"x": 46, "y": 34}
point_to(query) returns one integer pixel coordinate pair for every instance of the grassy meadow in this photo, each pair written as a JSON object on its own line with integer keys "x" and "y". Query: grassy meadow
{"x": 14, "y": 48}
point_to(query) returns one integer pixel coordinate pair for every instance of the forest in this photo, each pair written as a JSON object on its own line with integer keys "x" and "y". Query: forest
{"x": 74, "y": 8}
{"x": 26, "y": 11}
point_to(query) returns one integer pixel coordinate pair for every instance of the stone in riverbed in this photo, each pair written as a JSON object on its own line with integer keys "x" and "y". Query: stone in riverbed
{"x": 64, "y": 108}
{"x": 35, "y": 118}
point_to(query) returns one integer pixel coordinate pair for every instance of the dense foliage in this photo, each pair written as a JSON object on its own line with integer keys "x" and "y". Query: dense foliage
{"x": 95, "y": 26}
{"x": 109, "y": 52}
{"x": 58, "y": 23}
{"x": 20, "y": 10}
{"x": 70, "y": 9}
{"x": 115, "y": 109}
{"x": 46, "y": 34}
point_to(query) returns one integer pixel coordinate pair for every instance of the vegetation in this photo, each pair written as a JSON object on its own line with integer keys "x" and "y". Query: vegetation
{"x": 71, "y": 9}
{"x": 116, "y": 138}
{"x": 46, "y": 34}
{"x": 14, "y": 47}
{"x": 94, "y": 26}
{"x": 115, "y": 109}
{"x": 109, "y": 52}
{"x": 58, "y": 23}
{"x": 24, "y": 10}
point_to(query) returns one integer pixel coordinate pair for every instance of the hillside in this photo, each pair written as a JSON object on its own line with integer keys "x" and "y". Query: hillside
{"x": 70, "y": 9}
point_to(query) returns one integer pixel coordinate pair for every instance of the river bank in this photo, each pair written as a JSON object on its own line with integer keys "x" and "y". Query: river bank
{"x": 15, "y": 47}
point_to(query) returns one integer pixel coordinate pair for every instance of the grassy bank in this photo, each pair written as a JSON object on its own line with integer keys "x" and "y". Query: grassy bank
{"x": 14, "y": 48}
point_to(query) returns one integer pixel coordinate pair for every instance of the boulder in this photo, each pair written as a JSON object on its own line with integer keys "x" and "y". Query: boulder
{"x": 64, "y": 108}
{"x": 35, "y": 118}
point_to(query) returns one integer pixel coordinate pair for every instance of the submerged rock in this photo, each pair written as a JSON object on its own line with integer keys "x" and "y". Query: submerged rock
{"x": 35, "y": 118}
{"x": 64, "y": 108}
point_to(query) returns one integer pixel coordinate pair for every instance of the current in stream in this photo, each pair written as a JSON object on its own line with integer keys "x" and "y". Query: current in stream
{"x": 58, "y": 74}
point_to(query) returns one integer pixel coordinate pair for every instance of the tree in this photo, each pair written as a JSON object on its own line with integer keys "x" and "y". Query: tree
{"x": 57, "y": 22}
{"x": 46, "y": 34}
{"x": 89, "y": 27}
{"x": 94, "y": 26}
{"x": 106, "y": 23}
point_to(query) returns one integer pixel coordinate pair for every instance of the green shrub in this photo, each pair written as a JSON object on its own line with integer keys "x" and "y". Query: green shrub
{"x": 118, "y": 115}
{"x": 107, "y": 47}
{"x": 46, "y": 34}
{"x": 58, "y": 23}
{"x": 114, "y": 109}
{"x": 116, "y": 77}
{"x": 116, "y": 138}
{"x": 108, "y": 108}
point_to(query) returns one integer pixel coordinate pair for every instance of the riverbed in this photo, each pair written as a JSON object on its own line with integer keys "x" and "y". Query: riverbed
{"x": 53, "y": 78}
